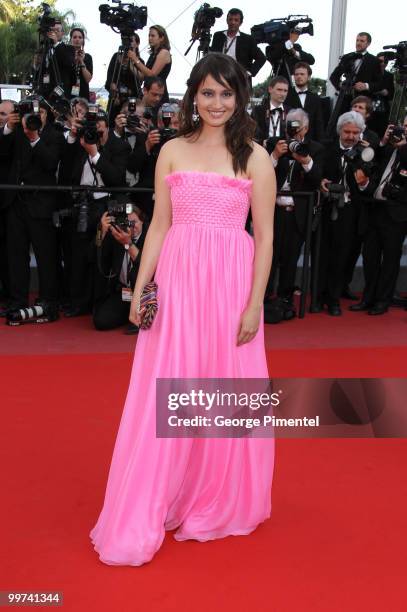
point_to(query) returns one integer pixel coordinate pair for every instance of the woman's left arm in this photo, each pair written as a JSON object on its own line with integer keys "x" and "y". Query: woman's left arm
{"x": 261, "y": 171}
{"x": 163, "y": 58}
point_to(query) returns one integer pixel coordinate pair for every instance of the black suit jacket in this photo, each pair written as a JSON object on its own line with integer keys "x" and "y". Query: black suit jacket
{"x": 369, "y": 72}
{"x": 283, "y": 61}
{"x": 111, "y": 164}
{"x": 397, "y": 209}
{"x": 386, "y": 82}
{"x": 313, "y": 107}
{"x": 33, "y": 166}
{"x": 261, "y": 115}
{"x": 301, "y": 180}
{"x": 64, "y": 57}
{"x": 111, "y": 260}
{"x": 5, "y": 165}
{"x": 248, "y": 54}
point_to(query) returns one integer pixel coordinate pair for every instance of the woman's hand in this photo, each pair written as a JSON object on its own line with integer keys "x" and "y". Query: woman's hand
{"x": 134, "y": 315}
{"x": 249, "y": 325}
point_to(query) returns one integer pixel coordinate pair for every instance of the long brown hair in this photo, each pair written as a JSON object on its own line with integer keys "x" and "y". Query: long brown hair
{"x": 163, "y": 34}
{"x": 239, "y": 130}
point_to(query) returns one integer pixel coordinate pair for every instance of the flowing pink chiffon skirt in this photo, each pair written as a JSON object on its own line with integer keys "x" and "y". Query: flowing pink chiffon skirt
{"x": 206, "y": 488}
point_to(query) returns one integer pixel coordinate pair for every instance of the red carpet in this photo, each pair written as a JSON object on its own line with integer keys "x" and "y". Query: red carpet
{"x": 336, "y": 540}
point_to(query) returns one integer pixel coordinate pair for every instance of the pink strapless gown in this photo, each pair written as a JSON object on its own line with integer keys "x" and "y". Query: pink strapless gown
{"x": 206, "y": 488}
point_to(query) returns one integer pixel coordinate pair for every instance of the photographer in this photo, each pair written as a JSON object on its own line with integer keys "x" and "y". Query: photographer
{"x": 299, "y": 96}
{"x": 345, "y": 184}
{"x": 242, "y": 47}
{"x": 83, "y": 65}
{"x": 119, "y": 255}
{"x": 298, "y": 165}
{"x": 284, "y": 55}
{"x": 382, "y": 97}
{"x": 53, "y": 66}
{"x": 386, "y": 223}
{"x": 34, "y": 148}
{"x": 361, "y": 69}
{"x": 122, "y": 80}
{"x": 92, "y": 156}
{"x": 270, "y": 115}
{"x": 6, "y": 108}
{"x": 363, "y": 105}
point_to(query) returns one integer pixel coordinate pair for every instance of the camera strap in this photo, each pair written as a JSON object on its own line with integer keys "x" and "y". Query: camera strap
{"x": 226, "y": 47}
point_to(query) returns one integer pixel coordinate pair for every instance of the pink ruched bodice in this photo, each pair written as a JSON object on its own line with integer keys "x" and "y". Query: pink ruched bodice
{"x": 208, "y": 198}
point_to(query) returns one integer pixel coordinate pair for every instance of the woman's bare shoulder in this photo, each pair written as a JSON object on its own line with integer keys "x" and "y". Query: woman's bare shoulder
{"x": 259, "y": 160}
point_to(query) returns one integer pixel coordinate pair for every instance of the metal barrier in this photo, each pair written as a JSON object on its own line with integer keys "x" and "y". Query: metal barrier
{"x": 310, "y": 195}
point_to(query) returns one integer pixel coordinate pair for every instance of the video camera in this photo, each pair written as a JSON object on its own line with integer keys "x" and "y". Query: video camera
{"x": 45, "y": 21}
{"x": 400, "y": 55}
{"x": 204, "y": 19}
{"x": 124, "y": 19}
{"x": 278, "y": 30}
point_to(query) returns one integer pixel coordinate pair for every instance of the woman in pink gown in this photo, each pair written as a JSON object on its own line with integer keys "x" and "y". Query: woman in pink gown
{"x": 211, "y": 278}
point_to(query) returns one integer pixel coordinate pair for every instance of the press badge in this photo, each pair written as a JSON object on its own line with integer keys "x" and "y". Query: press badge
{"x": 46, "y": 79}
{"x": 127, "y": 294}
{"x": 75, "y": 91}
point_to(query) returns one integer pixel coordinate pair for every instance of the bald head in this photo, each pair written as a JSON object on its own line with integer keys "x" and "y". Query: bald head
{"x": 6, "y": 107}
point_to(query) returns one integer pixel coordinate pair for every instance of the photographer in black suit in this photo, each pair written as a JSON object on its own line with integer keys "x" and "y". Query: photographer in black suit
{"x": 298, "y": 165}
{"x": 34, "y": 148}
{"x": 299, "y": 96}
{"x": 119, "y": 255}
{"x": 386, "y": 223}
{"x": 271, "y": 114}
{"x": 101, "y": 163}
{"x": 382, "y": 98}
{"x": 6, "y": 108}
{"x": 362, "y": 67}
{"x": 238, "y": 45}
{"x": 61, "y": 56}
{"x": 345, "y": 185}
{"x": 284, "y": 55}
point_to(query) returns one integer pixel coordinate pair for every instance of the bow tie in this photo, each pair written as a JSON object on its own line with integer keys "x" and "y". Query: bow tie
{"x": 305, "y": 91}
{"x": 358, "y": 56}
{"x": 276, "y": 110}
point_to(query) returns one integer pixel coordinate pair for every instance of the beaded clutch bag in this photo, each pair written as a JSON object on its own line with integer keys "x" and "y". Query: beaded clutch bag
{"x": 148, "y": 305}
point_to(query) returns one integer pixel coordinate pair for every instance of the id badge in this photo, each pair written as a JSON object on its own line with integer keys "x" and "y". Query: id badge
{"x": 75, "y": 91}
{"x": 123, "y": 90}
{"x": 126, "y": 294}
{"x": 46, "y": 79}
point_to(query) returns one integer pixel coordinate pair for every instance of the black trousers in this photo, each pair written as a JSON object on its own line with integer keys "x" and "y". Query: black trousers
{"x": 287, "y": 244}
{"x": 337, "y": 239}
{"x": 111, "y": 312}
{"x": 24, "y": 230}
{"x": 4, "y": 272}
{"x": 382, "y": 251}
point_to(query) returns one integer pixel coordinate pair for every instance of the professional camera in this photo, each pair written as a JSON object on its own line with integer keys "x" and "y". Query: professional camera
{"x": 88, "y": 128}
{"x": 396, "y": 134}
{"x": 124, "y": 19}
{"x": 119, "y": 213}
{"x": 40, "y": 313}
{"x": 336, "y": 195}
{"x": 396, "y": 188}
{"x": 205, "y": 16}
{"x": 204, "y": 19}
{"x": 400, "y": 55}
{"x": 61, "y": 107}
{"x": 292, "y": 128}
{"x": 45, "y": 21}
{"x": 360, "y": 157}
{"x": 278, "y": 30}
{"x": 30, "y": 109}
{"x": 166, "y": 133}
{"x": 58, "y": 215}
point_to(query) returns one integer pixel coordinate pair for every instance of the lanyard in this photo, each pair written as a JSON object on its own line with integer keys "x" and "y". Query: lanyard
{"x": 227, "y": 47}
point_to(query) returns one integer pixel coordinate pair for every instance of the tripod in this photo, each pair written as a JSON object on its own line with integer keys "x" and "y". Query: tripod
{"x": 116, "y": 78}
{"x": 399, "y": 104}
{"x": 345, "y": 91}
{"x": 47, "y": 76}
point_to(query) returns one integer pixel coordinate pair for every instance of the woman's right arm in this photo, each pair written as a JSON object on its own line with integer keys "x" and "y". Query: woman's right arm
{"x": 157, "y": 231}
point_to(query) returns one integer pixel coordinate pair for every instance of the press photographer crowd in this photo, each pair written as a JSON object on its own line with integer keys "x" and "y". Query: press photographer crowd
{"x": 85, "y": 175}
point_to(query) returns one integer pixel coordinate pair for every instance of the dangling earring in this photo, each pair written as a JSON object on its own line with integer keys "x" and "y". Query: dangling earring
{"x": 195, "y": 114}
